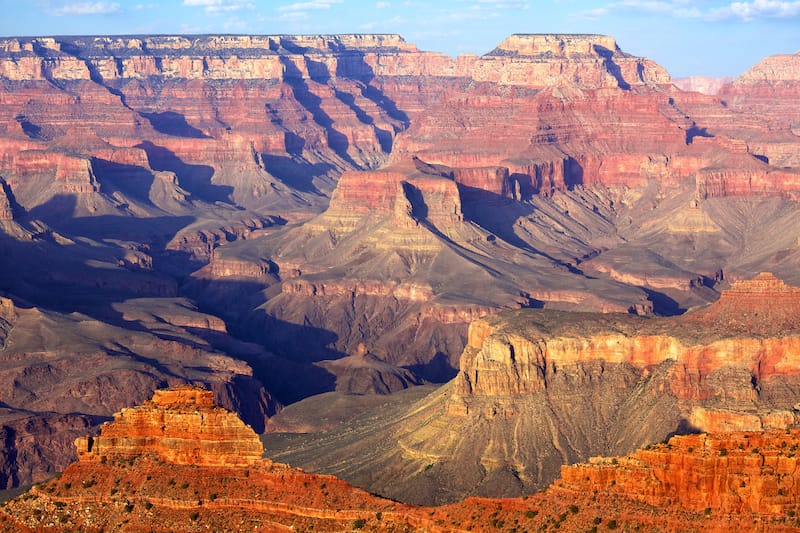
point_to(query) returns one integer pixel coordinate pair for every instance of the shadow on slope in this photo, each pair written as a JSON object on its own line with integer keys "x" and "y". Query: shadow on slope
{"x": 196, "y": 179}
{"x": 173, "y": 124}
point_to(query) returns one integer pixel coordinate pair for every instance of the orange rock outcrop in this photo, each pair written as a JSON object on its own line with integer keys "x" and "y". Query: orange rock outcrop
{"x": 763, "y": 305}
{"x": 731, "y": 473}
{"x": 178, "y": 426}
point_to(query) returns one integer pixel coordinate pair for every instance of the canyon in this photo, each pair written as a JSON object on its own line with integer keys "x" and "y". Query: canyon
{"x": 278, "y": 217}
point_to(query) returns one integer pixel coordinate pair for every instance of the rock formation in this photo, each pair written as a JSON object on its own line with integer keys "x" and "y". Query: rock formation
{"x": 537, "y": 389}
{"x": 179, "y": 426}
{"x": 764, "y": 305}
{"x": 180, "y": 462}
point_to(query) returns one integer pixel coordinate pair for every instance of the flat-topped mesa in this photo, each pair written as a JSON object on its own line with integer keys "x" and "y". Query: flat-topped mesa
{"x": 764, "y": 305}
{"x": 255, "y": 57}
{"x": 381, "y": 42}
{"x": 753, "y": 329}
{"x": 403, "y": 193}
{"x": 227, "y": 45}
{"x": 561, "y": 59}
{"x": 358, "y": 195}
{"x": 555, "y": 45}
{"x": 182, "y": 426}
{"x": 526, "y": 60}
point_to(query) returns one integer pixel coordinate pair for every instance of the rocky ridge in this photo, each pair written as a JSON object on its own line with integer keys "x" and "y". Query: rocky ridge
{"x": 733, "y": 473}
{"x": 129, "y": 476}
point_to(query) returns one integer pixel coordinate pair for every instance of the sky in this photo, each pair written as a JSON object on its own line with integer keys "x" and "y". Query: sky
{"x": 687, "y": 37}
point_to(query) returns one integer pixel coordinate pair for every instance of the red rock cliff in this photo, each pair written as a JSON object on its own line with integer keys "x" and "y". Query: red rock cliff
{"x": 736, "y": 473}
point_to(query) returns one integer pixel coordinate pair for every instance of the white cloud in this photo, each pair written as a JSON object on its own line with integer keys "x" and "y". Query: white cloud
{"x": 216, "y": 6}
{"x": 313, "y": 4}
{"x": 292, "y": 16}
{"x": 744, "y": 10}
{"x": 505, "y": 4}
{"x": 757, "y": 9}
{"x": 383, "y": 5}
{"x": 87, "y": 8}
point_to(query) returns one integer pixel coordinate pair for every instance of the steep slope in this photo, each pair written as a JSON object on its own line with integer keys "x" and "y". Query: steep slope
{"x": 538, "y": 389}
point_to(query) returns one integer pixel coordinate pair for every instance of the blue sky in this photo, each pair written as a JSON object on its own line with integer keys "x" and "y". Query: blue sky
{"x": 687, "y": 37}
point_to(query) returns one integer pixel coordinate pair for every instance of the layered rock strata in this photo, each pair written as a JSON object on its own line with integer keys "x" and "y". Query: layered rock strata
{"x": 535, "y": 158}
{"x": 753, "y": 473}
{"x": 180, "y": 426}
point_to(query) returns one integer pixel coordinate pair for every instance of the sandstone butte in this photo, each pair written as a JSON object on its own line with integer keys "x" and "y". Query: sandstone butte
{"x": 181, "y": 463}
